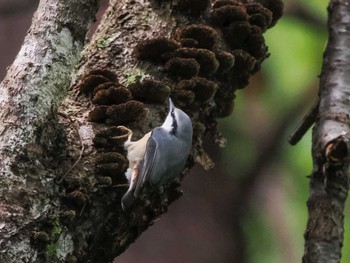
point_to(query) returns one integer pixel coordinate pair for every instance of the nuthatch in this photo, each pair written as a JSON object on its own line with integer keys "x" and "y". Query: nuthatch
{"x": 159, "y": 156}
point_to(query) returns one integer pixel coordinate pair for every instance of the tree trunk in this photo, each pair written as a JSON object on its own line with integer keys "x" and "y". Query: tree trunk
{"x": 329, "y": 182}
{"x": 63, "y": 167}
{"x": 31, "y": 141}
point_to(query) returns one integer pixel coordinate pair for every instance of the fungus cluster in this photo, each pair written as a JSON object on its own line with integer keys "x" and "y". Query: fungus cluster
{"x": 110, "y": 165}
{"x": 191, "y": 64}
{"x": 206, "y": 62}
{"x": 113, "y": 102}
{"x": 192, "y": 7}
{"x": 114, "y": 106}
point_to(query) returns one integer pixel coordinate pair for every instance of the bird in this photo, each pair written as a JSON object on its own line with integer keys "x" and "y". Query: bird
{"x": 159, "y": 156}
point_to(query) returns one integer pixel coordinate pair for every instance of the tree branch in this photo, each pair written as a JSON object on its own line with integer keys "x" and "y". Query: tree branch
{"x": 306, "y": 123}
{"x": 30, "y": 140}
{"x": 329, "y": 179}
{"x": 65, "y": 200}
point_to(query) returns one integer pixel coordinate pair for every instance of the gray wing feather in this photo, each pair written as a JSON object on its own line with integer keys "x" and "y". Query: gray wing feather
{"x": 147, "y": 164}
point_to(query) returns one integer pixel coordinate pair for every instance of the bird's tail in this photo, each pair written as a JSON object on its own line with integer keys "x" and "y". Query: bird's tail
{"x": 128, "y": 199}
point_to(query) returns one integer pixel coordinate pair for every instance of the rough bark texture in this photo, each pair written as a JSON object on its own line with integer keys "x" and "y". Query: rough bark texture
{"x": 64, "y": 171}
{"x": 30, "y": 140}
{"x": 330, "y": 179}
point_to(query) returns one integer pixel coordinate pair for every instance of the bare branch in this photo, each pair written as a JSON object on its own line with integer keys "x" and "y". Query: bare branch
{"x": 29, "y": 94}
{"x": 304, "y": 125}
{"x": 329, "y": 182}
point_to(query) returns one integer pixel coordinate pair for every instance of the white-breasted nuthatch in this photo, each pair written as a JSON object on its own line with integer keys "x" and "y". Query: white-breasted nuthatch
{"x": 159, "y": 156}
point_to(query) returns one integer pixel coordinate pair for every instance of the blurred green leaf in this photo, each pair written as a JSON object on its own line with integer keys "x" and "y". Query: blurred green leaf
{"x": 295, "y": 62}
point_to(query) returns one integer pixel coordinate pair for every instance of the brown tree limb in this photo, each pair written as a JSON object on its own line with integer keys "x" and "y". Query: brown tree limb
{"x": 329, "y": 182}
{"x": 80, "y": 218}
{"x": 30, "y": 138}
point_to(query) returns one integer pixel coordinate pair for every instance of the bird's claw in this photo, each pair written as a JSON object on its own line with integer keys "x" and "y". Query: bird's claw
{"x": 125, "y": 128}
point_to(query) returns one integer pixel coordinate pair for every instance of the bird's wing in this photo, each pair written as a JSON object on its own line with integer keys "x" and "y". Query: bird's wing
{"x": 146, "y": 164}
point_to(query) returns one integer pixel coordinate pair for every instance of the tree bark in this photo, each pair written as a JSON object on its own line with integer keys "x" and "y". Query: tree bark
{"x": 30, "y": 138}
{"x": 329, "y": 182}
{"x": 63, "y": 167}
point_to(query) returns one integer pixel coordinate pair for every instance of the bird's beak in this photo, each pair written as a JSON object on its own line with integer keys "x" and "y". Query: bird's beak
{"x": 171, "y": 105}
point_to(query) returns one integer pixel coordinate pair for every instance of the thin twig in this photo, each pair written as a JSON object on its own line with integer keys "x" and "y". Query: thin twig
{"x": 81, "y": 151}
{"x": 305, "y": 124}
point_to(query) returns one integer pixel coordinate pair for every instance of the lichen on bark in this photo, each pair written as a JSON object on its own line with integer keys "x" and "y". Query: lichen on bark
{"x": 31, "y": 140}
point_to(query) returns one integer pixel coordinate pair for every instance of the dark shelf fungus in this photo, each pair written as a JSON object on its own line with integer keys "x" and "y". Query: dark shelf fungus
{"x": 221, "y": 3}
{"x": 106, "y": 73}
{"x": 206, "y": 58}
{"x": 188, "y": 42}
{"x": 125, "y": 113}
{"x": 92, "y": 81}
{"x": 183, "y": 97}
{"x": 104, "y": 86}
{"x": 203, "y": 89}
{"x": 71, "y": 183}
{"x": 112, "y": 157}
{"x": 255, "y": 43}
{"x": 224, "y": 98}
{"x": 205, "y": 36}
{"x": 112, "y": 95}
{"x": 98, "y": 114}
{"x": 108, "y": 169}
{"x": 225, "y": 109}
{"x": 78, "y": 198}
{"x": 67, "y": 216}
{"x": 259, "y": 15}
{"x": 192, "y": 7}
{"x": 226, "y": 60}
{"x": 276, "y": 7}
{"x": 153, "y": 49}
{"x": 238, "y": 28}
{"x": 104, "y": 180}
{"x": 182, "y": 68}
{"x": 244, "y": 62}
{"x": 111, "y": 137}
{"x": 96, "y": 77}
{"x": 198, "y": 129}
{"x": 225, "y": 15}
{"x": 150, "y": 90}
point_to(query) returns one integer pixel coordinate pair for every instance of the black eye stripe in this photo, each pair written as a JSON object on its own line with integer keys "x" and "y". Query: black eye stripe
{"x": 174, "y": 122}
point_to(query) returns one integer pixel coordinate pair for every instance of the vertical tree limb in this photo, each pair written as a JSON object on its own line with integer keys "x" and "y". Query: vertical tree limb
{"x": 29, "y": 138}
{"x": 329, "y": 179}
